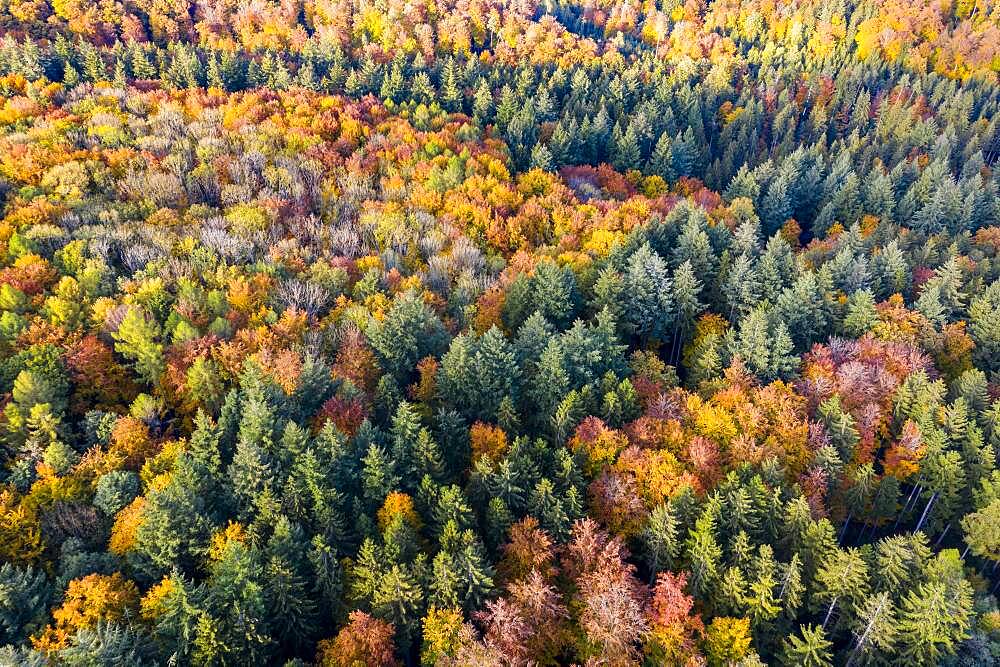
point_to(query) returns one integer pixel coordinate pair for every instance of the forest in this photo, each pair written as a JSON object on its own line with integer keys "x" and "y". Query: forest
{"x": 499, "y": 333}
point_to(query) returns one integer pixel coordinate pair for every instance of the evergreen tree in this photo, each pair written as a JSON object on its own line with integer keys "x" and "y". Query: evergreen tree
{"x": 808, "y": 648}
{"x": 649, "y": 306}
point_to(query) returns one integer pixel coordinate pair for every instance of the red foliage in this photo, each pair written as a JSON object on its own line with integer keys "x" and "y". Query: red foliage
{"x": 99, "y": 381}
{"x": 356, "y": 361}
{"x": 347, "y": 414}
{"x": 675, "y": 629}
{"x": 31, "y": 274}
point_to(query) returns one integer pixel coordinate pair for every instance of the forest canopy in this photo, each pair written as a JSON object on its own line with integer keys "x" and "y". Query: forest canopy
{"x": 499, "y": 333}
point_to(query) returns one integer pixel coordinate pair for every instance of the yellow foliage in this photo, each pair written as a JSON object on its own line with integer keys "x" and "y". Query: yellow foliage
{"x": 151, "y": 604}
{"x": 442, "y": 628}
{"x": 711, "y": 421}
{"x": 727, "y": 640}
{"x": 487, "y": 441}
{"x": 397, "y": 505}
{"x": 48, "y": 490}
{"x": 159, "y": 465}
{"x": 220, "y": 540}
{"x": 126, "y": 527}
{"x": 88, "y": 601}
{"x": 20, "y": 532}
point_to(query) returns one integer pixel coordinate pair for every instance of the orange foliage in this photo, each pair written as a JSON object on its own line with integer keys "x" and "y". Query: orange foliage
{"x": 89, "y": 600}
{"x": 902, "y": 459}
{"x": 363, "y": 642}
{"x": 131, "y": 439}
{"x": 598, "y": 443}
{"x": 397, "y": 505}
{"x": 126, "y": 526}
{"x": 487, "y": 441}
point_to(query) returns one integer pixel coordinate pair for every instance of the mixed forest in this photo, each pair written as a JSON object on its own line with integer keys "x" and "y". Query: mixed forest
{"x": 472, "y": 333}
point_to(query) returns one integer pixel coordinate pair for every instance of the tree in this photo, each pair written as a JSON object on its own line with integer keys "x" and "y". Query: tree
{"x": 661, "y": 160}
{"x": 727, "y": 640}
{"x": 115, "y": 490}
{"x": 363, "y": 641}
{"x": 409, "y": 332}
{"x": 541, "y": 158}
{"x": 24, "y": 596}
{"x": 763, "y": 343}
{"x": 237, "y": 601}
{"x": 609, "y": 598}
{"x": 530, "y": 623}
{"x": 661, "y": 538}
{"x": 933, "y": 618}
{"x": 674, "y": 628}
{"x": 626, "y": 150}
{"x": 984, "y": 314}
{"x": 112, "y": 643}
{"x": 646, "y": 290}
{"x": 842, "y": 585}
{"x": 175, "y": 607}
{"x": 554, "y": 293}
{"x": 703, "y": 551}
{"x": 398, "y": 599}
{"x": 876, "y": 630}
{"x": 741, "y": 288}
{"x": 802, "y": 310}
{"x": 88, "y": 601}
{"x": 462, "y": 557}
{"x": 982, "y": 531}
{"x": 476, "y": 374}
{"x": 442, "y": 634}
{"x": 808, "y": 648}
{"x": 136, "y": 339}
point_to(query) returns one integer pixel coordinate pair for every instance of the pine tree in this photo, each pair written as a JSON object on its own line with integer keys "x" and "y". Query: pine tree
{"x": 378, "y": 476}
{"x": 694, "y": 246}
{"x": 875, "y": 633}
{"x": 661, "y": 160}
{"x": 541, "y": 158}
{"x": 30, "y": 60}
{"x": 554, "y": 293}
{"x": 482, "y": 103}
{"x": 703, "y": 551}
{"x": 24, "y": 601}
{"x": 649, "y": 307}
{"x": 399, "y": 599}
{"x": 237, "y": 600}
{"x": 984, "y": 326}
{"x": 684, "y": 154}
{"x": 933, "y": 618}
{"x": 741, "y": 287}
{"x": 409, "y": 332}
{"x": 451, "y": 94}
{"x": 290, "y": 606}
{"x": 139, "y": 64}
{"x": 94, "y": 69}
{"x": 661, "y": 539}
{"x": 841, "y": 586}
{"x": 808, "y": 648}
{"x": 178, "y": 615}
{"x": 802, "y": 309}
{"x": 626, "y": 150}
